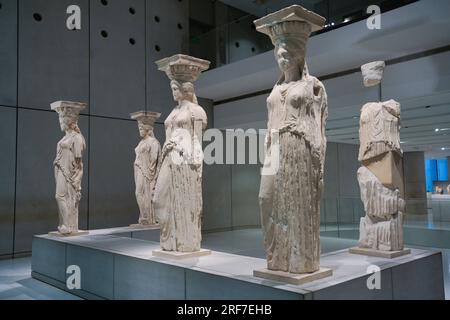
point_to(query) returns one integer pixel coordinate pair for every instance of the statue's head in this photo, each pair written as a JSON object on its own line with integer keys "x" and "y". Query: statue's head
{"x": 183, "y": 91}
{"x": 68, "y": 122}
{"x": 290, "y": 54}
{"x": 145, "y": 129}
{"x": 146, "y": 122}
{"x": 289, "y": 30}
{"x": 68, "y": 113}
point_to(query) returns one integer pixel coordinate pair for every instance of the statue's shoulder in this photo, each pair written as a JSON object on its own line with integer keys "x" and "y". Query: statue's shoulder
{"x": 199, "y": 112}
{"x": 273, "y": 93}
{"x": 318, "y": 87}
{"x": 316, "y": 82}
{"x": 78, "y": 138}
{"x": 154, "y": 143}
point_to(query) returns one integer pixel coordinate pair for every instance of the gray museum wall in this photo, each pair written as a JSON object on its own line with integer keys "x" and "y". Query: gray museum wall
{"x": 41, "y": 62}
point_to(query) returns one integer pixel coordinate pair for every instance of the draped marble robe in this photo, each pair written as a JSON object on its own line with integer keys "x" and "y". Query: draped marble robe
{"x": 290, "y": 198}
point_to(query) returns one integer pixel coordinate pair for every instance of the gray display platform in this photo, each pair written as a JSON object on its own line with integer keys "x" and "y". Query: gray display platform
{"x": 116, "y": 265}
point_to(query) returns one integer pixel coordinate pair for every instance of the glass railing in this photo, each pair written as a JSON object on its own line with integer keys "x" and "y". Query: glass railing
{"x": 340, "y": 217}
{"x": 238, "y": 39}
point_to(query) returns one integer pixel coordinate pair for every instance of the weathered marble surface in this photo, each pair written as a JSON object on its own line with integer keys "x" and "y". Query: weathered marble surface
{"x": 384, "y": 235}
{"x": 381, "y": 228}
{"x": 379, "y": 130}
{"x": 388, "y": 168}
{"x": 373, "y": 73}
{"x": 68, "y": 165}
{"x": 148, "y": 153}
{"x": 379, "y": 202}
{"x": 295, "y": 147}
{"x": 177, "y": 198}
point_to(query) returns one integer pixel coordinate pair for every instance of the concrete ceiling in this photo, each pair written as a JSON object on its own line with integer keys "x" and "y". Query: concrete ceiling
{"x": 414, "y": 28}
{"x": 260, "y": 8}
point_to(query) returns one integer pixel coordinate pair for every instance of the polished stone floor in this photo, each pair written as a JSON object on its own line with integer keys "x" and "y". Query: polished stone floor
{"x": 16, "y": 283}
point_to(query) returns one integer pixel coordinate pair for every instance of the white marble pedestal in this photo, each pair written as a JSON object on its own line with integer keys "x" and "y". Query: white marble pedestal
{"x": 292, "y": 278}
{"x": 73, "y": 234}
{"x": 379, "y": 253}
{"x": 118, "y": 264}
{"x": 180, "y": 255}
{"x": 144, "y": 226}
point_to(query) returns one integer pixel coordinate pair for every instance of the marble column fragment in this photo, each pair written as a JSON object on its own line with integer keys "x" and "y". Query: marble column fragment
{"x": 68, "y": 166}
{"x": 292, "y": 184}
{"x": 381, "y": 176}
{"x": 178, "y": 192}
{"x": 148, "y": 153}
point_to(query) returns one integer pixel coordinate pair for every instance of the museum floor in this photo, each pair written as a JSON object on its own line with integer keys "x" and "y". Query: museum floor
{"x": 16, "y": 281}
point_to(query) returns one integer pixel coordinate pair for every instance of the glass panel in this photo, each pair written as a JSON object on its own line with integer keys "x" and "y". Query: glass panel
{"x": 225, "y": 34}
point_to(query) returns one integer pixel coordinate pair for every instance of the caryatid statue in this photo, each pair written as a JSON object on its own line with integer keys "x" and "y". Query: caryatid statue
{"x": 148, "y": 154}
{"x": 178, "y": 192}
{"x": 68, "y": 166}
{"x": 292, "y": 176}
{"x": 381, "y": 175}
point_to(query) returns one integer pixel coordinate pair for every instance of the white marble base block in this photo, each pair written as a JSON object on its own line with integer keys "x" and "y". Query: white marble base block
{"x": 293, "y": 278}
{"x": 180, "y": 255}
{"x": 72, "y": 234}
{"x": 144, "y": 226}
{"x": 380, "y": 253}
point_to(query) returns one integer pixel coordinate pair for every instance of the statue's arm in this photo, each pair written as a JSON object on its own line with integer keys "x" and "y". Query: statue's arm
{"x": 201, "y": 121}
{"x": 79, "y": 145}
{"x": 268, "y": 140}
{"x": 321, "y": 95}
{"x": 154, "y": 157}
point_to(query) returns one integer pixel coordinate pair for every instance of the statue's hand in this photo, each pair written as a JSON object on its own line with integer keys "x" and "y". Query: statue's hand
{"x": 168, "y": 147}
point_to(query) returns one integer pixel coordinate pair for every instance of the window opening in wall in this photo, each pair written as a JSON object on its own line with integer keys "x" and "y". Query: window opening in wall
{"x": 37, "y": 17}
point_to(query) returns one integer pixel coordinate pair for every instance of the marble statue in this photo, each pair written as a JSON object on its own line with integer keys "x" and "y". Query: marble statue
{"x": 372, "y": 73}
{"x": 68, "y": 165}
{"x": 297, "y": 113}
{"x": 381, "y": 175}
{"x": 148, "y": 154}
{"x": 177, "y": 198}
